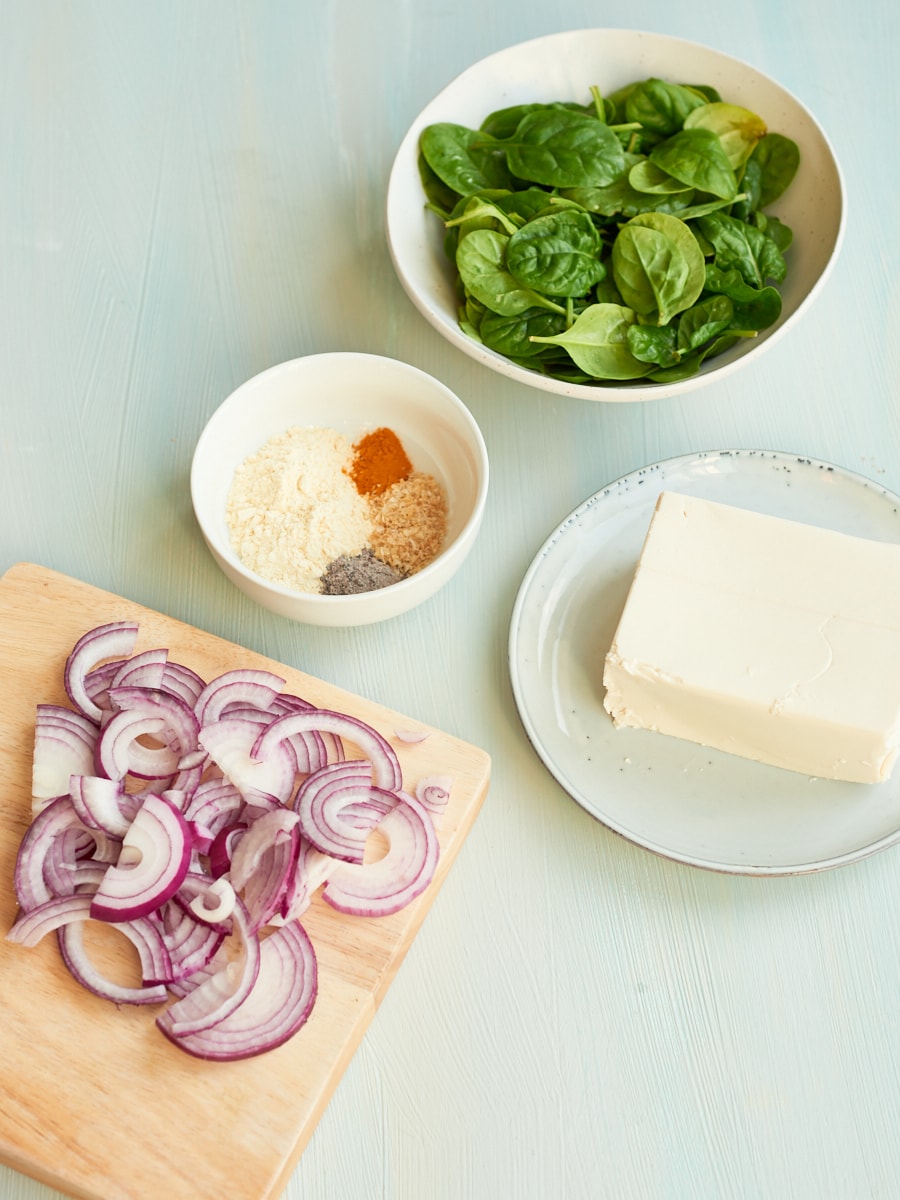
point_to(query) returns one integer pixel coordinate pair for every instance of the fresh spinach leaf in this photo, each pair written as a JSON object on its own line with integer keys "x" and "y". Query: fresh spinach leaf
{"x": 658, "y": 265}
{"x": 661, "y": 107}
{"x": 647, "y": 176}
{"x": 511, "y": 335}
{"x": 703, "y": 321}
{"x": 557, "y": 254}
{"x": 696, "y": 157}
{"x": 738, "y": 129}
{"x": 657, "y": 344}
{"x": 481, "y": 262}
{"x": 564, "y": 149}
{"x": 742, "y": 247}
{"x": 463, "y": 159}
{"x": 779, "y": 159}
{"x": 598, "y": 343}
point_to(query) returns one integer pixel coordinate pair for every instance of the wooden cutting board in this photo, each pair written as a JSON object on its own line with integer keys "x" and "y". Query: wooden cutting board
{"x": 96, "y": 1102}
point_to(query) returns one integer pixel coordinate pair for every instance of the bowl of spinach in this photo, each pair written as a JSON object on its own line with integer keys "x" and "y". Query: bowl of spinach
{"x": 614, "y": 215}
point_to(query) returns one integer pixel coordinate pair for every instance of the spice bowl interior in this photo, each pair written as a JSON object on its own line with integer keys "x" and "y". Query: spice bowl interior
{"x": 351, "y": 395}
{"x": 564, "y": 66}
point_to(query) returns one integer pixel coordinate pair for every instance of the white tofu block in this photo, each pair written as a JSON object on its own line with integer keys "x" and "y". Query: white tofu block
{"x": 763, "y": 637}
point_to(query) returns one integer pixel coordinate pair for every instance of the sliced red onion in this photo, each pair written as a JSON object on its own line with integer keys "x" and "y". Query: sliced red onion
{"x": 386, "y": 771}
{"x": 183, "y": 682}
{"x": 278, "y": 1005}
{"x": 338, "y": 806}
{"x": 113, "y": 640}
{"x": 313, "y": 868}
{"x": 433, "y": 792}
{"x": 76, "y": 958}
{"x": 204, "y": 867}
{"x": 152, "y": 864}
{"x": 147, "y": 670}
{"x": 100, "y": 803}
{"x": 48, "y": 916}
{"x": 216, "y": 904}
{"x": 223, "y": 985}
{"x": 263, "y": 864}
{"x": 181, "y": 726}
{"x": 331, "y": 744}
{"x": 222, "y": 848}
{"x": 47, "y": 845}
{"x": 411, "y": 737}
{"x": 64, "y": 743}
{"x": 241, "y": 688}
{"x": 231, "y": 744}
{"x": 215, "y": 803}
{"x": 120, "y": 753}
{"x": 380, "y": 888}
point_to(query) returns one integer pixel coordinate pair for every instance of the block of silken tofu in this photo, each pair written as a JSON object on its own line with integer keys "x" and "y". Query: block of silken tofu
{"x": 762, "y": 637}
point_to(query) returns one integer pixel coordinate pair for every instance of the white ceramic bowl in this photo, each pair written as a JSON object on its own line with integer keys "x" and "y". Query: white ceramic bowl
{"x": 350, "y": 393}
{"x": 563, "y": 66}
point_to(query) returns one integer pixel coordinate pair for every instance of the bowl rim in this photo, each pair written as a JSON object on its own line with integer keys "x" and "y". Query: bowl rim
{"x": 418, "y": 581}
{"x": 713, "y": 370}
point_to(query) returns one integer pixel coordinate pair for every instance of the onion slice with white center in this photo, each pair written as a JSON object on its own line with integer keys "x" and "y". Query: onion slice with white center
{"x": 380, "y": 888}
{"x": 155, "y": 856}
{"x": 386, "y": 772}
{"x": 221, "y": 986}
{"x": 278, "y": 1005}
{"x": 113, "y": 640}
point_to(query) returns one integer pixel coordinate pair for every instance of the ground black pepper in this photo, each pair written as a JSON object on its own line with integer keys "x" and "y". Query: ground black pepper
{"x": 362, "y": 572}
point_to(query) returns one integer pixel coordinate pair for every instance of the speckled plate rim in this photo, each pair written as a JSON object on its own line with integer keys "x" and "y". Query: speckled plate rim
{"x": 686, "y": 803}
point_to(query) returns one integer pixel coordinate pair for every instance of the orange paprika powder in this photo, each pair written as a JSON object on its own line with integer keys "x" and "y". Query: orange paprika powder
{"x": 379, "y": 461}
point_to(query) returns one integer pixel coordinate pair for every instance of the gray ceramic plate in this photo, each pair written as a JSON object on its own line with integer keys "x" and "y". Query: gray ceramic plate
{"x": 699, "y": 806}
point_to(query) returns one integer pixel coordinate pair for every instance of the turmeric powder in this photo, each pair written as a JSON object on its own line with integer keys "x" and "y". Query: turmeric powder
{"x": 379, "y": 461}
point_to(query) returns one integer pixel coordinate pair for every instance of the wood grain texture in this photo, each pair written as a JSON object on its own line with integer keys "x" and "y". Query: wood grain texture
{"x": 96, "y": 1102}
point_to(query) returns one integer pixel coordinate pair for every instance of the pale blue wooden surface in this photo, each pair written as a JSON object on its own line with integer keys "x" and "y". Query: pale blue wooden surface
{"x": 194, "y": 191}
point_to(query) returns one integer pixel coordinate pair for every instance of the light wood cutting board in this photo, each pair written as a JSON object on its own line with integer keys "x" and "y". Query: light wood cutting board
{"x": 96, "y": 1102}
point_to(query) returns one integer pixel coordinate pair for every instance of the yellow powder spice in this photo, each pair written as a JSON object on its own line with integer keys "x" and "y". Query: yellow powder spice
{"x": 292, "y": 508}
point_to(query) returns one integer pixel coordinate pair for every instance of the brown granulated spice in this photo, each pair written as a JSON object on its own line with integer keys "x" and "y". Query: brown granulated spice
{"x": 410, "y": 522}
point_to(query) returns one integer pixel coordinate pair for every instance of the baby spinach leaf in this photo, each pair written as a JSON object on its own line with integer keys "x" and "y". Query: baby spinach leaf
{"x": 511, "y": 334}
{"x": 696, "y": 157}
{"x": 598, "y": 343}
{"x": 646, "y": 176}
{"x": 779, "y": 159}
{"x": 658, "y": 265}
{"x": 505, "y": 121}
{"x": 661, "y": 106}
{"x": 743, "y": 248}
{"x": 464, "y": 159}
{"x": 563, "y": 148}
{"x": 621, "y": 199}
{"x": 481, "y": 211}
{"x": 703, "y": 321}
{"x": 738, "y": 129}
{"x": 754, "y": 308}
{"x": 441, "y": 198}
{"x": 782, "y": 235}
{"x": 656, "y": 344}
{"x": 481, "y": 262}
{"x": 557, "y": 254}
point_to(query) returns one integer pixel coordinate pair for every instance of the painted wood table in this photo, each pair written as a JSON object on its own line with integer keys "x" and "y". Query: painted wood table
{"x": 195, "y": 192}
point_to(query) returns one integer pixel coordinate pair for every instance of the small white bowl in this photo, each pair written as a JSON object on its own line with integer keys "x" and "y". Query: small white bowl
{"x": 351, "y": 393}
{"x": 564, "y": 66}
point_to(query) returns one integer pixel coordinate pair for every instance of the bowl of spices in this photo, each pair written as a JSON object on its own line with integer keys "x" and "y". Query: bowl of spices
{"x": 341, "y": 488}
